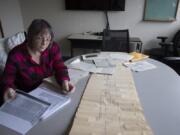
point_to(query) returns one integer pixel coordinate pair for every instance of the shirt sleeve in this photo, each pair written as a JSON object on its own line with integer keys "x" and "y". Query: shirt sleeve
{"x": 60, "y": 69}
{"x": 9, "y": 74}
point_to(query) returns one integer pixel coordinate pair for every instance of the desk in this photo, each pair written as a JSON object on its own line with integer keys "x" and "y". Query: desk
{"x": 159, "y": 93}
{"x": 87, "y": 41}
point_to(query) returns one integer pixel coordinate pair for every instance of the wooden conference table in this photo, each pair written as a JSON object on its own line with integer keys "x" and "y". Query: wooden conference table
{"x": 159, "y": 94}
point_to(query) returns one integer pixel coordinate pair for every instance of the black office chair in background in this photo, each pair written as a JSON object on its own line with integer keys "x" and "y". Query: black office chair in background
{"x": 172, "y": 51}
{"x": 115, "y": 40}
{"x": 161, "y": 52}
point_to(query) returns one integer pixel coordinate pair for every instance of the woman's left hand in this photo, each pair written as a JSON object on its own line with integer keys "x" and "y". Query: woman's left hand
{"x": 67, "y": 87}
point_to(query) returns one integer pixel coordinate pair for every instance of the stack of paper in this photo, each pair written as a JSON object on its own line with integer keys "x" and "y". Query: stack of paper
{"x": 106, "y": 63}
{"x": 83, "y": 66}
{"x": 18, "y": 107}
{"x": 75, "y": 75}
{"x": 57, "y": 101}
{"x": 123, "y": 57}
{"x": 90, "y": 67}
{"x": 138, "y": 56}
{"x": 19, "y": 116}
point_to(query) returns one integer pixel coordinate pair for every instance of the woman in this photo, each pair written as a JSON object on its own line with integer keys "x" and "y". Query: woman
{"x": 32, "y": 61}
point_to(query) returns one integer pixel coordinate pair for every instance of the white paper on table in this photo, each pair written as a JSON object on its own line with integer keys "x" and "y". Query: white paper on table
{"x": 75, "y": 61}
{"x": 18, "y": 107}
{"x": 90, "y": 67}
{"x": 20, "y": 115}
{"x": 75, "y": 75}
{"x": 121, "y": 56}
{"x": 108, "y": 71}
{"x": 106, "y": 63}
{"x": 56, "y": 100}
{"x": 140, "y": 66}
{"x": 83, "y": 66}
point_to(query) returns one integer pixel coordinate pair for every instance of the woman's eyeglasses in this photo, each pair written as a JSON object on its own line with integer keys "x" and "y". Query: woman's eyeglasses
{"x": 41, "y": 38}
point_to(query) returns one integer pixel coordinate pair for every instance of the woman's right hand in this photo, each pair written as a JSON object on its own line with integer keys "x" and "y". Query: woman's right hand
{"x": 9, "y": 94}
{"x": 67, "y": 87}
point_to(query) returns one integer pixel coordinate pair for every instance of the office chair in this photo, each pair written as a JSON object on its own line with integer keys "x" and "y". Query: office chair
{"x": 172, "y": 58}
{"x": 115, "y": 40}
{"x": 163, "y": 51}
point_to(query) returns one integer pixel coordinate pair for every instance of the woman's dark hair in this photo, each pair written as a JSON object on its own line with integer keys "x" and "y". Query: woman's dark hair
{"x": 36, "y": 27}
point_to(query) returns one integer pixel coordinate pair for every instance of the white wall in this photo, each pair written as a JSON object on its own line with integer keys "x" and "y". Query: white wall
{"x": 66, "y": 22}
{"x": 10, "y": 16}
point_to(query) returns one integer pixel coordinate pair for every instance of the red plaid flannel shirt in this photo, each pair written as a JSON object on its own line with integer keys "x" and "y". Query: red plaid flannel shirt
{"x": 23, "y": 73}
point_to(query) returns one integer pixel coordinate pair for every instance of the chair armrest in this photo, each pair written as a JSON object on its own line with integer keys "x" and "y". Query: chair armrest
{"x": 172, "y": 58}
{"x": 163, "y": 44}
{"x": 163, "y": 38}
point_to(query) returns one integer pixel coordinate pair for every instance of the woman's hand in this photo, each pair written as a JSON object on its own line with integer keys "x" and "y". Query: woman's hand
{"x": 67, "y": 87}
{"x": 9, "y": 94}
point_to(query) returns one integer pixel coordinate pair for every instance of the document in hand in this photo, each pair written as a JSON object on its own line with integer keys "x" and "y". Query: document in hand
{"x": 56, "y": 100}
{"x": 21, "y": 114}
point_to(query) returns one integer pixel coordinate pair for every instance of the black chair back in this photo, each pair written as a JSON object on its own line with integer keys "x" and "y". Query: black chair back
{"x": 176, "y": 44}
{"x": 116, "y": 40}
